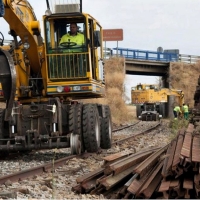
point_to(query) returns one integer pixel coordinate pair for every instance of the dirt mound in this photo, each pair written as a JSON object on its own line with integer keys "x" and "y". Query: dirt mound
{"x": 184, "y": 76}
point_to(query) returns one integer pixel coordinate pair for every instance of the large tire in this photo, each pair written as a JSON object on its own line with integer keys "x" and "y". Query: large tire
{"x": 91, "y": 128}
{"x": 106, "y": 129}
{"x": 75, "y": 119}
{"x": 162, "y": 110}
{"x": 1, "y": 126}
{"x": 138, "y": 110}
{"x": 144, "y": 118}
{"x": 75, "y": 122}
{"x": 4, "y": 130}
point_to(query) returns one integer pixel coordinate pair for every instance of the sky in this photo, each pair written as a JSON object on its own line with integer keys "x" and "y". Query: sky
{"x": 146, "y": 24}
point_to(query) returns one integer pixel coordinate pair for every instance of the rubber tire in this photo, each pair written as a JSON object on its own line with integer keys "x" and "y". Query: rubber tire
{"x": 75, "y": 122}
{"x": 4, "y": 131}
{"x": 91, "y": 128}
{"x": 1, "y": 125}
{"x": 75, "y": 119}
{"x": 157, "y": 108}
{"x": 106, "y": 129}
{"x": 143, "y": 118}
{"x": 138, "y": 110}
{"x": 162, "y": 110}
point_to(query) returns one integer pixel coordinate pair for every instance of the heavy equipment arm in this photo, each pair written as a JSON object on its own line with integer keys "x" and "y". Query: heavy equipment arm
{"x": 24, "y": 25}
{"x": 43, "y": 83}
{"x": 173, "y": 92}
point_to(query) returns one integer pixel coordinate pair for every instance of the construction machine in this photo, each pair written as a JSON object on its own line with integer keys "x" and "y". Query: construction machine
{"x": 43, "y": 82}
{"x": 150, "y": 100}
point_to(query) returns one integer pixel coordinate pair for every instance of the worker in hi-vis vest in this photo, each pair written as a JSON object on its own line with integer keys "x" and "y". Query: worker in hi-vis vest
{"x": 185, "y": 111}
{"x": 73, "y": 40}
{"x": 177, "y": 111}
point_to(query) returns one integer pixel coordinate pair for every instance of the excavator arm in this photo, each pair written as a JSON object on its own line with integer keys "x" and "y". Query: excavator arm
{"x": 23, "y": 24}
{"x": 20, "y": 57}
{"x": 176, "y": 93}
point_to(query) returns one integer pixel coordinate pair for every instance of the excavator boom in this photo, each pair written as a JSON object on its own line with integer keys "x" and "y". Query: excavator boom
{"x": 23, "y": 23}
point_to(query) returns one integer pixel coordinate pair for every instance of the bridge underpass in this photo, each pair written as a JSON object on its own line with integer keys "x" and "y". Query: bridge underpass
{"x": 152, "y": 68}
{"x": 148, "y": 68}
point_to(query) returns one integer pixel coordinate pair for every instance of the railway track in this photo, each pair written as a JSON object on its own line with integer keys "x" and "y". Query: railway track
{"x": 126, "y": 126}
{"x": 154, "y": 126}
{"x": 51, "y": 166}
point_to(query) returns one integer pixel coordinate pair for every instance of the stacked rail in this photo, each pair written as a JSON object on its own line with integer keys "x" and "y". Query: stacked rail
{"x": 172, "y": 171}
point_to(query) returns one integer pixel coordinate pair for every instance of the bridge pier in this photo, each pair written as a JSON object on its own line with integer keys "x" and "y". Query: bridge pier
{"x": 171, "y": 100}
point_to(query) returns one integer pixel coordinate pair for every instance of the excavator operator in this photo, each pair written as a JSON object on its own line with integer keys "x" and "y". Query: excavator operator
{"x": 73, "y": 40}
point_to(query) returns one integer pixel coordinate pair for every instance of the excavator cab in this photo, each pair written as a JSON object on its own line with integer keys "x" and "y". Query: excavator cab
{"x": 69, "y": 60}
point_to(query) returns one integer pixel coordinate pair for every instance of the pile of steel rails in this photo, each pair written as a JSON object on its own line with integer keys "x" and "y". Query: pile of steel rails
{"x": 172, "y": 171}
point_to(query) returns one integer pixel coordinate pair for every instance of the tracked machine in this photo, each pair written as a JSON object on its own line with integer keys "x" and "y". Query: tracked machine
{"x": 151, "y": 101}
{"x": 44, "y": 82}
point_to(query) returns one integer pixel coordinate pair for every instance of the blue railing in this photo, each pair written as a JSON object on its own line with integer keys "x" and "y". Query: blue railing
{"x": 145, "y": 55}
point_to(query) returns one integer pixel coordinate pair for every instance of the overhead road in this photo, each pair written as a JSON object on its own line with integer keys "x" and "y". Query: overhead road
{"x": 145, "y": 55}
{"x": 142, "y": 62}
{"x": 146, "y": 67}
{"x": 151, "y": 63}
{"x": 152, "y": 55}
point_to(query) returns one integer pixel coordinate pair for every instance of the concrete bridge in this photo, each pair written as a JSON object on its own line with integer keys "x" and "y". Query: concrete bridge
{"x": 150, "y": 63}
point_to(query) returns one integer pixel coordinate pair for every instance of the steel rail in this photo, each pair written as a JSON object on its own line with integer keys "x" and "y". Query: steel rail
{"x": 18, "y": 176}
{"x": 136, "y": 134}
{"x": 124, "y": 127}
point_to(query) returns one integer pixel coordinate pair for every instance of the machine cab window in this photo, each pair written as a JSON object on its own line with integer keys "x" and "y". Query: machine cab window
{"x": 133, "y": 88}
{"x": 139, "y": 87}
{"x": 147, "y": 87}
{"x": 65, "y": 35}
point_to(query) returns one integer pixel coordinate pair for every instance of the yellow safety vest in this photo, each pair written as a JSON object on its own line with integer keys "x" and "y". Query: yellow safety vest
{"x": 78, "y": 38}
{"x": 185, "y": 108}
{"x": 177, "y": 109}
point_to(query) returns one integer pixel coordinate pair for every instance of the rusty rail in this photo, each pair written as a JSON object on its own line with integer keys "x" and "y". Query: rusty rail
{"x": 35, "y": 170}
{"x": 169, "y": 172}
{"x": 136, "y": 134}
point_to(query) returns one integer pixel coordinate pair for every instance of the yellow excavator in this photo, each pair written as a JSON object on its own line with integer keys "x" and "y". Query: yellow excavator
{"x": 43, "y": 82}
{"x": 151, "y": 101}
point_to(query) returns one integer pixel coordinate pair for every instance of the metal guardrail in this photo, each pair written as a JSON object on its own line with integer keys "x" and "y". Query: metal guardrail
{"x": 188, "y": 58}
{"x": 150, "y": 55}
{"x": 145, "y": 55}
